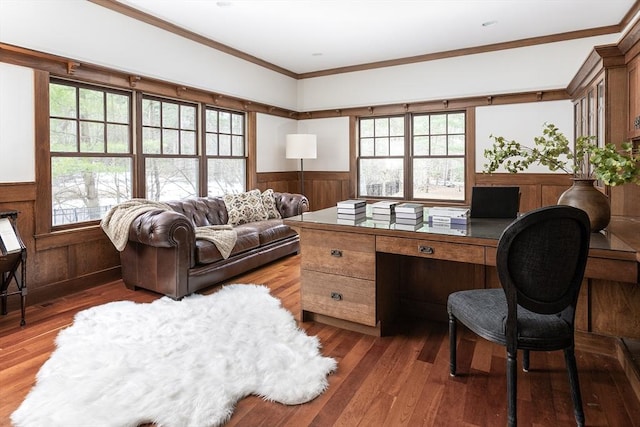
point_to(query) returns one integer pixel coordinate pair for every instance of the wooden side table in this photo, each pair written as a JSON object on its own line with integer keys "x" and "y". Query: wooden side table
{"x": 13, "y": 255}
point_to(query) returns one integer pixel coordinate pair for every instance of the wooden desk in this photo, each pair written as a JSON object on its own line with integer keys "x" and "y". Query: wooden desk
{"x": 360, "y": 276}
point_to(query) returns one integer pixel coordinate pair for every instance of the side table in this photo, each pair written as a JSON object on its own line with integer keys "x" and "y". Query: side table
{"x": 13, "y": 256}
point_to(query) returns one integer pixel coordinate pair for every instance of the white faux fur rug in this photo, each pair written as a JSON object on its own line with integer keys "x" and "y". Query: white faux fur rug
{"x": 176, "y": 363}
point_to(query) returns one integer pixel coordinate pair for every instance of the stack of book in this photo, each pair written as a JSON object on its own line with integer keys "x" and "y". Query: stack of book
{"x": 383, "y": 211}
{"x": 409, "y": 216}
{"x": 448, "y": 216}
{"x": 352, "y": 210}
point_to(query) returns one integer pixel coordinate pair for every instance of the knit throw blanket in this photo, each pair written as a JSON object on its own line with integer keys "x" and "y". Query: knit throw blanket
{"x": 223, "y": 236}
{"x": 117, "y": 221}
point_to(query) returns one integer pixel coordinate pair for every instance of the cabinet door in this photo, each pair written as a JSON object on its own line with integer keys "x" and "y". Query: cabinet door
{"x": 634, "y": 98}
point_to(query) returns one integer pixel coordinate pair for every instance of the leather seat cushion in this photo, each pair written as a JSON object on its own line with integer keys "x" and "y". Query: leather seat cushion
{"x": 206, "y": 251}
{"x": 268, "y": 231}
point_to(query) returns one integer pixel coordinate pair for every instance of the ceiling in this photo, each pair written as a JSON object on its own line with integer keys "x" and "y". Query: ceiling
{"x": 306, "y": 36}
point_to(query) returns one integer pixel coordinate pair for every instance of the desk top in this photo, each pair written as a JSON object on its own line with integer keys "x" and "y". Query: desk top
{"x": 480, "y": 231}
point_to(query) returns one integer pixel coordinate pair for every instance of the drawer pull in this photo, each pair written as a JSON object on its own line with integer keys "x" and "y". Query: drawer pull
{"x": 336, "y": 296}
{"x": 336, "y": 253}
{"x": 426, "y": 250}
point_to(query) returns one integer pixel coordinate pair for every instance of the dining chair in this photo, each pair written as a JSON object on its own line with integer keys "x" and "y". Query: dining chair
{"x": 541, "y": 258}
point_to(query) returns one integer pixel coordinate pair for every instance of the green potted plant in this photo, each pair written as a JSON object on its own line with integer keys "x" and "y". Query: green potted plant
{"x": 588, "y": 163}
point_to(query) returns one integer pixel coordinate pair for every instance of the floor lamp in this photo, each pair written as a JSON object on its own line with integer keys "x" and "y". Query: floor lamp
{"x": 301, "y": 146}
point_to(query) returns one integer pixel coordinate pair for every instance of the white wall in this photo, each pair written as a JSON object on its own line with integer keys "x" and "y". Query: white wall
{"x": 17, "y": 125}
{"x": 533, "y": 68}
{"x": 332, "y": 139}
{"x": 522, "y": 123}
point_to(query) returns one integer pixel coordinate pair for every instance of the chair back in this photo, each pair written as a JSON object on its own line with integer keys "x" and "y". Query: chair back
{"x": 541, "y": 260}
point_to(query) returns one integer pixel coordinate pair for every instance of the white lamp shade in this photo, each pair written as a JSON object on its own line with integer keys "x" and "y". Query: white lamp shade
{"x": 301, "y": 146}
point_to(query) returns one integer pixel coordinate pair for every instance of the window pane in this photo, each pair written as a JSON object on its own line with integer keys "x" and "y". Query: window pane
{"x": 381, "y": 177}
{"x": 238, "y": 146}
{"x": 118, "y": 139}
{"x": 438, "y": 124}
{"x": 211, "y": 118}
{"x": 169, "y": 141}
{"x": 421, "y": 125}
{"x": 396, "y": 126}
{"x": 456, "y": 123}
{"x": 117, "y": 108}
{"x": 366, "y": 147}
{"x": 85, "y": 188}
{"x": 224, "y": 122}
{"x": 396, "y": 146}
{"x": 438, "y": 145}
{"x": 382, "y": 147}
{"x": 187, "y": 142}
{"x": 225, "y": 176}
{"x": 456, "y": 145}
{"x": 237, "y": 125}
{"x": 366, "y": 128}
{"x": 438, "y": 179}
{"x": 91, "y": 137}
{"x": 169, "y": 115}
{"x": 62, "y": 101}
{"x": 225, "y": 145}
{"x": 187, "y": 117}
{"x": 212, "y": 144}
{"x": 150, "y": 112}
{"x": 421, "y": 146}
{"x": 63, "y": 136}
{"x": 171, "y": 178}
{"x": 91, "y": 104}
{"x": 150, "y": 141}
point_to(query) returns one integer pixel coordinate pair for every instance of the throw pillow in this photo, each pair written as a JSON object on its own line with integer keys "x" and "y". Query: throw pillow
{"x": 269, "y": 202}
{"x": 245, "y": 207}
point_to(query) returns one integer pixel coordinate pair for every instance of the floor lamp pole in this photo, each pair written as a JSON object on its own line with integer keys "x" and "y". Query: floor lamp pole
{"x": 302, "y": 176}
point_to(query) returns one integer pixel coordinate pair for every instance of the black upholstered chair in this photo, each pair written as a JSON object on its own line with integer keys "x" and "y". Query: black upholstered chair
{"x": 540, "y": 260}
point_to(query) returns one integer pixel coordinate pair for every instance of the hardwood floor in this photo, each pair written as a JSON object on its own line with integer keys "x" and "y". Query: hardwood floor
{"x": 394, "y": 381}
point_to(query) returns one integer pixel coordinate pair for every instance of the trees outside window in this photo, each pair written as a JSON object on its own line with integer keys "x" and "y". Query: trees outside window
{"x": 225, "y": 152}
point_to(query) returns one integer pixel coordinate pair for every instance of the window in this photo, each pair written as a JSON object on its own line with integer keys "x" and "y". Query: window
{"x": 425, "y": 162}
{"x": 96, "y": 151}
{"x": 225, "y": 152}
{"x": 91, "y": 155}
{"x": 169, "y": 149}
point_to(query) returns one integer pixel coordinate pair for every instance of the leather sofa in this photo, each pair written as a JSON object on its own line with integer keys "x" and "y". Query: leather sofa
{"x": 163, "y": 255}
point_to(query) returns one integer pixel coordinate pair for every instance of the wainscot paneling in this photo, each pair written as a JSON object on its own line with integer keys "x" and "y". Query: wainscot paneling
{"x": 58, "y": 263}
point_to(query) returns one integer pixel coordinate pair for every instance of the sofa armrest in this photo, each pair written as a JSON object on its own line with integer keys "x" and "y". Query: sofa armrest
{"x": 163, "y": 229}
{"x": 291, "y": 204}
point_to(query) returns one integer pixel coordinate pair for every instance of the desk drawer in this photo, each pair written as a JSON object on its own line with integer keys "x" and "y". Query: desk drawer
{"x": 431, "y": 249}
{"x": 346, "y": 254}
{"x": 341, "y": 297}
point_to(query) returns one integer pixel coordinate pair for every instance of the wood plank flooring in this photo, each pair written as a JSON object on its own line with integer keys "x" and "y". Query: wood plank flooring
{"x": 401, "y": 380}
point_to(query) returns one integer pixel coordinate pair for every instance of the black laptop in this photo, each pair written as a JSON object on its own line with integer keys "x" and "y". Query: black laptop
{"x": 495, "y": 202}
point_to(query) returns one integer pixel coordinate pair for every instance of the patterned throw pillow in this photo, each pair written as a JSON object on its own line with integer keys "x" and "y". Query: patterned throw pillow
{"x": 269, "y": 202}
{"x": 245, "y": 207}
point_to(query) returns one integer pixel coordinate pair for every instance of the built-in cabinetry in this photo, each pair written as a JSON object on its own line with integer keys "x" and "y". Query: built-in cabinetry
{"x": 634, "y": 98}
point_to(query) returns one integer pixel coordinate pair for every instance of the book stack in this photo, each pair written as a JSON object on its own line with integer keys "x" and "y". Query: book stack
{"x": 383, "y": 211}
{"x": 351, "y": 211}
{"x": 448, "y": 216}
{"x": 409, "y": 216}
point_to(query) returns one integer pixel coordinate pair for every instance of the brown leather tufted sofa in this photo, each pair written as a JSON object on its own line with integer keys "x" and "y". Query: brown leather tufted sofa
{"x": 162, "y": 254}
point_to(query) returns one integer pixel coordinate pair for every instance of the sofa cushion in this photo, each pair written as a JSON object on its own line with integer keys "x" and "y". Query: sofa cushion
{"x": 206, "y": 251}
{"x": 268, "y": 231}
{"x": 269, "y": 202}
{"x": 245, "y": 207}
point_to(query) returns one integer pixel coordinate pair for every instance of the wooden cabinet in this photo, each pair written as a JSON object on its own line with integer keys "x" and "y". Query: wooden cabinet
{"x": 338, "y": 272}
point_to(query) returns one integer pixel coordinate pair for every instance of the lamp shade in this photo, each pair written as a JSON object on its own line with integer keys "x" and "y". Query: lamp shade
{"x": 301, "y": 146}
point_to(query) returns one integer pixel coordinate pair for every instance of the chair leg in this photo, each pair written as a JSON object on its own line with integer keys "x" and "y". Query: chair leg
{"x": 452, "y": 345}
{"x": 512, "y": 388}
{"x": 525, "y": 360}
{"x": 576, "y": 396}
